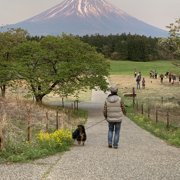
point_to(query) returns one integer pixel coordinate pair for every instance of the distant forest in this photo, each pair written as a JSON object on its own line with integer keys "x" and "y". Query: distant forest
{"x": 128, "y": 47}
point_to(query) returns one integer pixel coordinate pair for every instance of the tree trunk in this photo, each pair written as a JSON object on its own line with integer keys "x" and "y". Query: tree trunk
{"x": 3, "y": 91}
{"x": 39, "y": 98}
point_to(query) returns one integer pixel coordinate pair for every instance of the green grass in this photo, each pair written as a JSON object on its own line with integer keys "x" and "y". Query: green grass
{"x": 44, "y": 145}
{"x": 127, "y": 67}
{"x": 170, "y": 135}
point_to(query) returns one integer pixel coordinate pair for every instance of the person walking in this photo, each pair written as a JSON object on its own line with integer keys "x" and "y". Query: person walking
{"x": 138, "y": 80}
{"x": 170, "y": 77}
{"x": 143, "y": 83}
{"x": 114, "y": 111}
{"x": 161, "y": 77}
{"x": 135, "y": 73}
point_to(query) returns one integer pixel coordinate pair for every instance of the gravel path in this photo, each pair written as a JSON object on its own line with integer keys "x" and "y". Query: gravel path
{"x": 141, "y": 156}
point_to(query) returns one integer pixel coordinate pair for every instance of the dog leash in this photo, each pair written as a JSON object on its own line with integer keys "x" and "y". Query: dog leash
{"x": 95, "y": 124}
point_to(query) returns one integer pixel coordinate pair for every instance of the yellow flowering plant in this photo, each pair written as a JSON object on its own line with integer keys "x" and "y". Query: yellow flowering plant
{"x": 58, "y": 139}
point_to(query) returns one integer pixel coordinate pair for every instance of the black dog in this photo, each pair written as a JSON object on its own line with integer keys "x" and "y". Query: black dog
{"x": 79, "y": 134}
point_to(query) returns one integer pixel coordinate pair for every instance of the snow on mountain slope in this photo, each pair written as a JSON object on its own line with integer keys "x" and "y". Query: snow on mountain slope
{"x": 81, "y": 8}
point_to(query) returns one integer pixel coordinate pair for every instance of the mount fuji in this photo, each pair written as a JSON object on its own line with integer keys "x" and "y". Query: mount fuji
{"x": 82, "y": 17}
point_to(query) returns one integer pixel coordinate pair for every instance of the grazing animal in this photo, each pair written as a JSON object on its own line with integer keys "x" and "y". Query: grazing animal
{"x": 79, "y": 134}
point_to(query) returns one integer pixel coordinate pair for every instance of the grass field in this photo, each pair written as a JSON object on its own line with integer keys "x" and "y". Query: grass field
{"x": 128, "y": 67}
{"x": 122, "y": 74}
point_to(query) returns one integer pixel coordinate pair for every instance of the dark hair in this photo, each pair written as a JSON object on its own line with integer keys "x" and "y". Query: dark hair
{"x": 113, "y": 93}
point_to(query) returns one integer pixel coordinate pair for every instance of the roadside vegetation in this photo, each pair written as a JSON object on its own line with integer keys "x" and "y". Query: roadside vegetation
{"x": 30, "y": 131}
{"x": 171, "y": 135}
{"x": 44, "y": 145}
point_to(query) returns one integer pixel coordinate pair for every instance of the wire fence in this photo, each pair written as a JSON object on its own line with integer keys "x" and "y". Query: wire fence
{"x": 159, "y": 111}
{"x": 21, "y": 120}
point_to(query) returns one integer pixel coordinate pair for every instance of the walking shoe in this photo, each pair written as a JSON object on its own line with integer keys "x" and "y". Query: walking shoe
{"x": 115, "y": 147}
{"x": 110, "y": 146}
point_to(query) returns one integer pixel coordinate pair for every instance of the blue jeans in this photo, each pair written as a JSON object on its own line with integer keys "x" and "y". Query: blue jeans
{"x": 114, "y": 131}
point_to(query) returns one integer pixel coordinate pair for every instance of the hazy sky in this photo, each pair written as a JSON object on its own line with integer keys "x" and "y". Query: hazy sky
{"x": 159, "y": 13}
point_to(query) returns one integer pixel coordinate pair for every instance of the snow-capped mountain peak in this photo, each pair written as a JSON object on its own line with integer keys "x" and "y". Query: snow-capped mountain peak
{"x": 81, "y": 8}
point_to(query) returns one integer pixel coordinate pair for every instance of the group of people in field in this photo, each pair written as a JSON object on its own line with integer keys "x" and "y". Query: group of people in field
{"x": 153, "y": 74}
{"x": 171, "y": 77}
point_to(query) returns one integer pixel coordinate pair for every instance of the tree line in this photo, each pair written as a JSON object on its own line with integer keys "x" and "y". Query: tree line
{"x": 129, "y": 47}
{"x": 138, "y": 47}
{"x": 124, "y": 46}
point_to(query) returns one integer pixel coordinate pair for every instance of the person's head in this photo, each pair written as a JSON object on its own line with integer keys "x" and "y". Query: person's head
{"x": 114, "y": 89}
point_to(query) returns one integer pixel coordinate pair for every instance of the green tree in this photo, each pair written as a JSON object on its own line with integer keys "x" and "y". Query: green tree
{"x": 174, "y": 37}
{"x": 61, "y": 64}
{"x": 172, "y": 43}
{"x": 8, "y": 40}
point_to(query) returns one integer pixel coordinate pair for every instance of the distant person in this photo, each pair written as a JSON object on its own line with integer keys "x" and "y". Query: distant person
{"x": 113, "y": 112}
{"x": 135, "y": 73}
{"x": 138, "y": 80}
{"x": 155, "y": 75}
{"x": 166, "y": 74}
{"x": 161, "y": 77}
{"x": 143, "y": 83}
{"x": 170, "y": 77}
{"x": 150, "y": 74}
{"x": 173, "y": 78}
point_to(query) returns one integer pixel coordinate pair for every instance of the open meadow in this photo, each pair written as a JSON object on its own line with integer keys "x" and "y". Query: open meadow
{"x": 128, "y": 67}
{"x": 122, "y": 73}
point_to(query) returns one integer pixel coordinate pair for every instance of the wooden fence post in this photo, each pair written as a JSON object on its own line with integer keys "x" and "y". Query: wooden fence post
{"x": 142, "y": 109}
{"x": 62, "y": 102}
{"x": 29, "y": 126}
{"x": 168, "y": 123}
{"x": 2, "y": 131}
{"x": 57, "y": 120}
{"x": 133, "y": 95}
{"x": 1, "y": 142}
{"x": 47, "y": 121}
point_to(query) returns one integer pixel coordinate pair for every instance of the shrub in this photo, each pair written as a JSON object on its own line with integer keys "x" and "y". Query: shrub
{"x": 59, "y": 139}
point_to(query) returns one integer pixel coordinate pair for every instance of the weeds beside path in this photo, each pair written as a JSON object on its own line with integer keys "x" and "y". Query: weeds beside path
{"x": 140, "y": 155}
